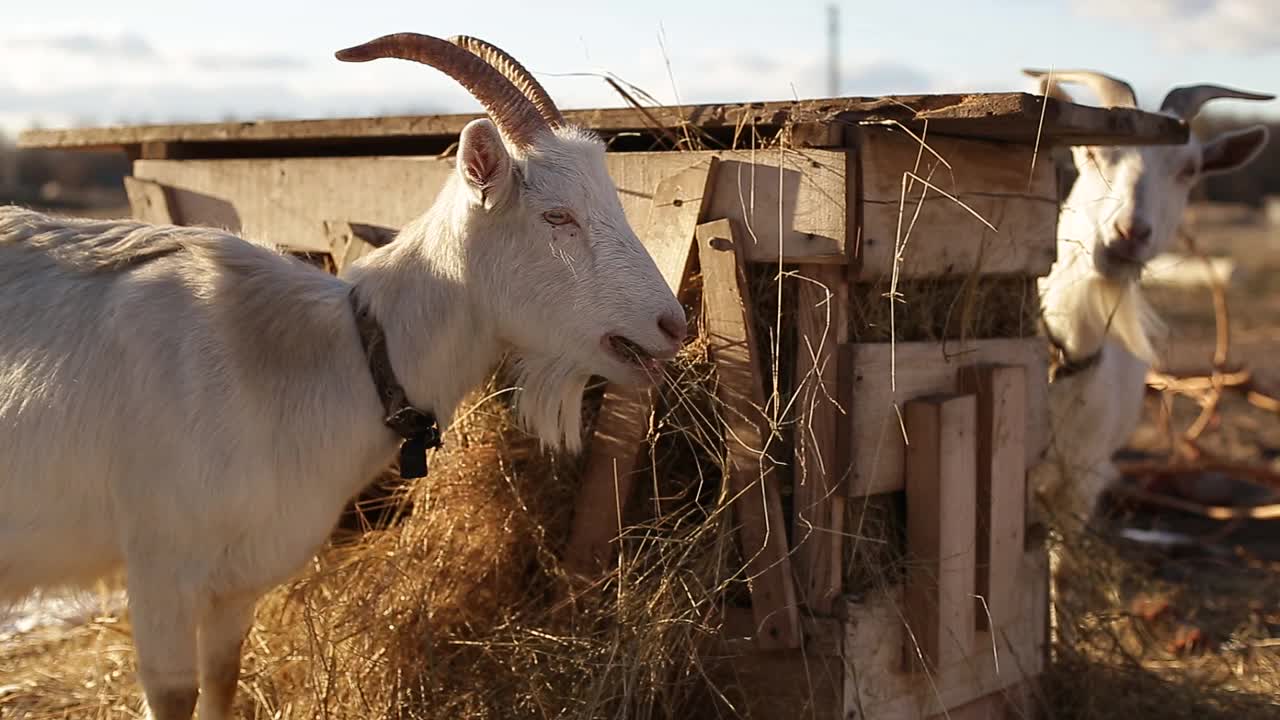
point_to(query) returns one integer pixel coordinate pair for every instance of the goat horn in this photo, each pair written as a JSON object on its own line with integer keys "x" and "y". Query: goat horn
{"x": 1048, "y": 86}
{"x": 1185, "y": 102}
{"x": 514, "y": 114}
{"x": 516, "y": 73}
{"x": 1112, "y": 92}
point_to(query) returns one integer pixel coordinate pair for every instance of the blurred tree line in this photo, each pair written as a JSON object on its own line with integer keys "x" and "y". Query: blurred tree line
{"x": 60, "y": 178}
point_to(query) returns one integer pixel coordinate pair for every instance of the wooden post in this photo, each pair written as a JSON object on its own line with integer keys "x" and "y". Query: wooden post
{"x": 1001, "y": 392}
{"x": 757, "y": 507}
{"x": 623, "y": 422}
{"x": 350, "y": 241}
{"x": 817, "y": 529}
{"x": 149, "y": 201}
{"x": 941, "y": 493}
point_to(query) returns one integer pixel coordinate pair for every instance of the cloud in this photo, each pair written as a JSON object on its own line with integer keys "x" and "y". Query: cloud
{"x": 1229, "y": 25}
{"x": 249, "y": 62}
{"x": 718, "y": 76}
{"x": 84, "y": 77}
{"x": 112, "y": 45}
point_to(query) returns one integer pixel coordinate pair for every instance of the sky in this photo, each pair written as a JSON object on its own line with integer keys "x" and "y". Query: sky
{"x": 85, "y": 62}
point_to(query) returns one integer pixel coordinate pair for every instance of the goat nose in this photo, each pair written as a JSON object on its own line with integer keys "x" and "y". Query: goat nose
{"x": 1136, "y": 233}
{"x": 673, "y": 327}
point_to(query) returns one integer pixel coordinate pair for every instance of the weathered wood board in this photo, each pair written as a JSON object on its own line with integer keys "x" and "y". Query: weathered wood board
{"x": 789, "y": 201}
{"x": 1009, "y": 117}
{"x": 941, "y": 477}
{"x": 753, "y": 480}
{"x": 623, "y": 421}
{"x": 877, "y": 447}
{"x": 1001, "y": 393}
{"x": 822, "y": 325}
{"x": 877, "y": 686}
{"x": 149, "y": 202}
{"x": 931, "y": 235}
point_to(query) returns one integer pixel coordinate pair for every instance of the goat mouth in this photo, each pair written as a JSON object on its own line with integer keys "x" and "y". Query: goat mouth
{"x": 1120, "y": 265}
{"x": 631, "y": 353}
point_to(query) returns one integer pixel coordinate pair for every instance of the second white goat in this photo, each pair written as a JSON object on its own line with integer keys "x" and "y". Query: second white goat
{"x": 1124, "y": 208}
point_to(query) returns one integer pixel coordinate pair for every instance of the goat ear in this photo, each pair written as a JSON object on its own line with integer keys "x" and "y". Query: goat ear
{"x": 483, "y": 161}
{"x": 1232, "y": 150}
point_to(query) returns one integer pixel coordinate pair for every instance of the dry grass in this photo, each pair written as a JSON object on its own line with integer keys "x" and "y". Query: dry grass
{"x": 460, "y": 610}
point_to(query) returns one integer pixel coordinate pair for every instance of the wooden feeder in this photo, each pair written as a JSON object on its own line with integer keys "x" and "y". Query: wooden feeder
{"x": 861, "y": 200}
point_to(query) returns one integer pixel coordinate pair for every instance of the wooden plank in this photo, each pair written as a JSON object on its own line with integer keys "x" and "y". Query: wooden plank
{"x": 822, "y": 325}
{"x": 1010, "y": 117}
{"x": 885, "y": 376}
{"x": 931, "y": 235}
{"x": 876, "y": 687}
{"x": 823, "y": 636}
{"x": 623, "y": 422}
{"x": 149, "y": 201}
{"x": 794, "y": 200}
{"x": 941, "y": 465}
{"x": 1002, "y": 486}
{"x": 345, "y": 244}
{"x": 753, "y": 484}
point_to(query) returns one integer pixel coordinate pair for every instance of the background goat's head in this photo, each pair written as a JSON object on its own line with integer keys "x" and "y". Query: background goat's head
{"x": 1127, "y": 202}
{"x": 540, "y": 236}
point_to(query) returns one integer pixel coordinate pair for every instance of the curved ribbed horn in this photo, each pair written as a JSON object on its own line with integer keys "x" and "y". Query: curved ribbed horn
{"x": 1049, "y": 86}
{"x": 513, "y": 113}
{"x": 516, "y": 73}
{"x": 1111, "y": 92}
{"x": 1186, "y": 101}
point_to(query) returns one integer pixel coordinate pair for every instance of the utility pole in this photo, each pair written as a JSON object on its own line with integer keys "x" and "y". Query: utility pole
{"x": 833, "y": 50}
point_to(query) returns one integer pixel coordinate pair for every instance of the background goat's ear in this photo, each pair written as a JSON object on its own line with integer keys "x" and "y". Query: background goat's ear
{"x": 483, "y": 161}
{"x": 1232, "y": 150}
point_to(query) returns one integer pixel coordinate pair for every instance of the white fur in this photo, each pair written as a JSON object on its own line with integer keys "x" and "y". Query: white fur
{"x": 197, "y": 408}
{"x": 1091, "y": 300}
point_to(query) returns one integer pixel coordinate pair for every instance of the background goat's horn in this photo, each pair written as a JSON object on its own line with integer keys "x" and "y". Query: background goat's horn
{"x": 513, "y": 113}
{"x": 1186, "y": 101}
{"x": 1111, "y": 92}
{"x": 516, "y": 73}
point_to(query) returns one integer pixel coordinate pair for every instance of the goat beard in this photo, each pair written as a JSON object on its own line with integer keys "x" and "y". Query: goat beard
{"x": 549, "y": 403}
{"x": 1126, "y": 315}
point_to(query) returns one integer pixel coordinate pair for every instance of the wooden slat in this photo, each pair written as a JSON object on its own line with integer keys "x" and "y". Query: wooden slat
{"x": 939, "y": 235}
{"x": 752, "y": 480}
{"x": 349, "y": 242}
{"x": 149, "y": 201}
{"x": 876, "y": 687}
{"x": 822, "y": 324}
{"x": 623, "y": 421}
{"x": 1002, "y": 486}
{"x": 923, "y": 368}
{"x": 1009, "y": 117}
{"x": 823, "y": 636}
{"x": 794, "y": 200}
{"x": 941, "y": 495}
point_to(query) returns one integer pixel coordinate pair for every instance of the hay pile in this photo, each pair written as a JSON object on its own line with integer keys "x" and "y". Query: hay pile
{"x": 460, "y": 609}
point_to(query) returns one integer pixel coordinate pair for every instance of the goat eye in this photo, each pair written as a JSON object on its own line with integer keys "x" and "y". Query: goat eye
{"x": 1187, "y": 172}
{"x": 557, "y": 217}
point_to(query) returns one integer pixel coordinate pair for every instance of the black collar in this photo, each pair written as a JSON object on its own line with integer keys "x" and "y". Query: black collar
{"x": 1061, "y": 364}
{"x": 418, "y": 428}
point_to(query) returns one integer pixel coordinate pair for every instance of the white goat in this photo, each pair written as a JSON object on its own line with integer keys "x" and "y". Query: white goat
{"x": 1124, "y": 208}
{"x": 198, "y": 409}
